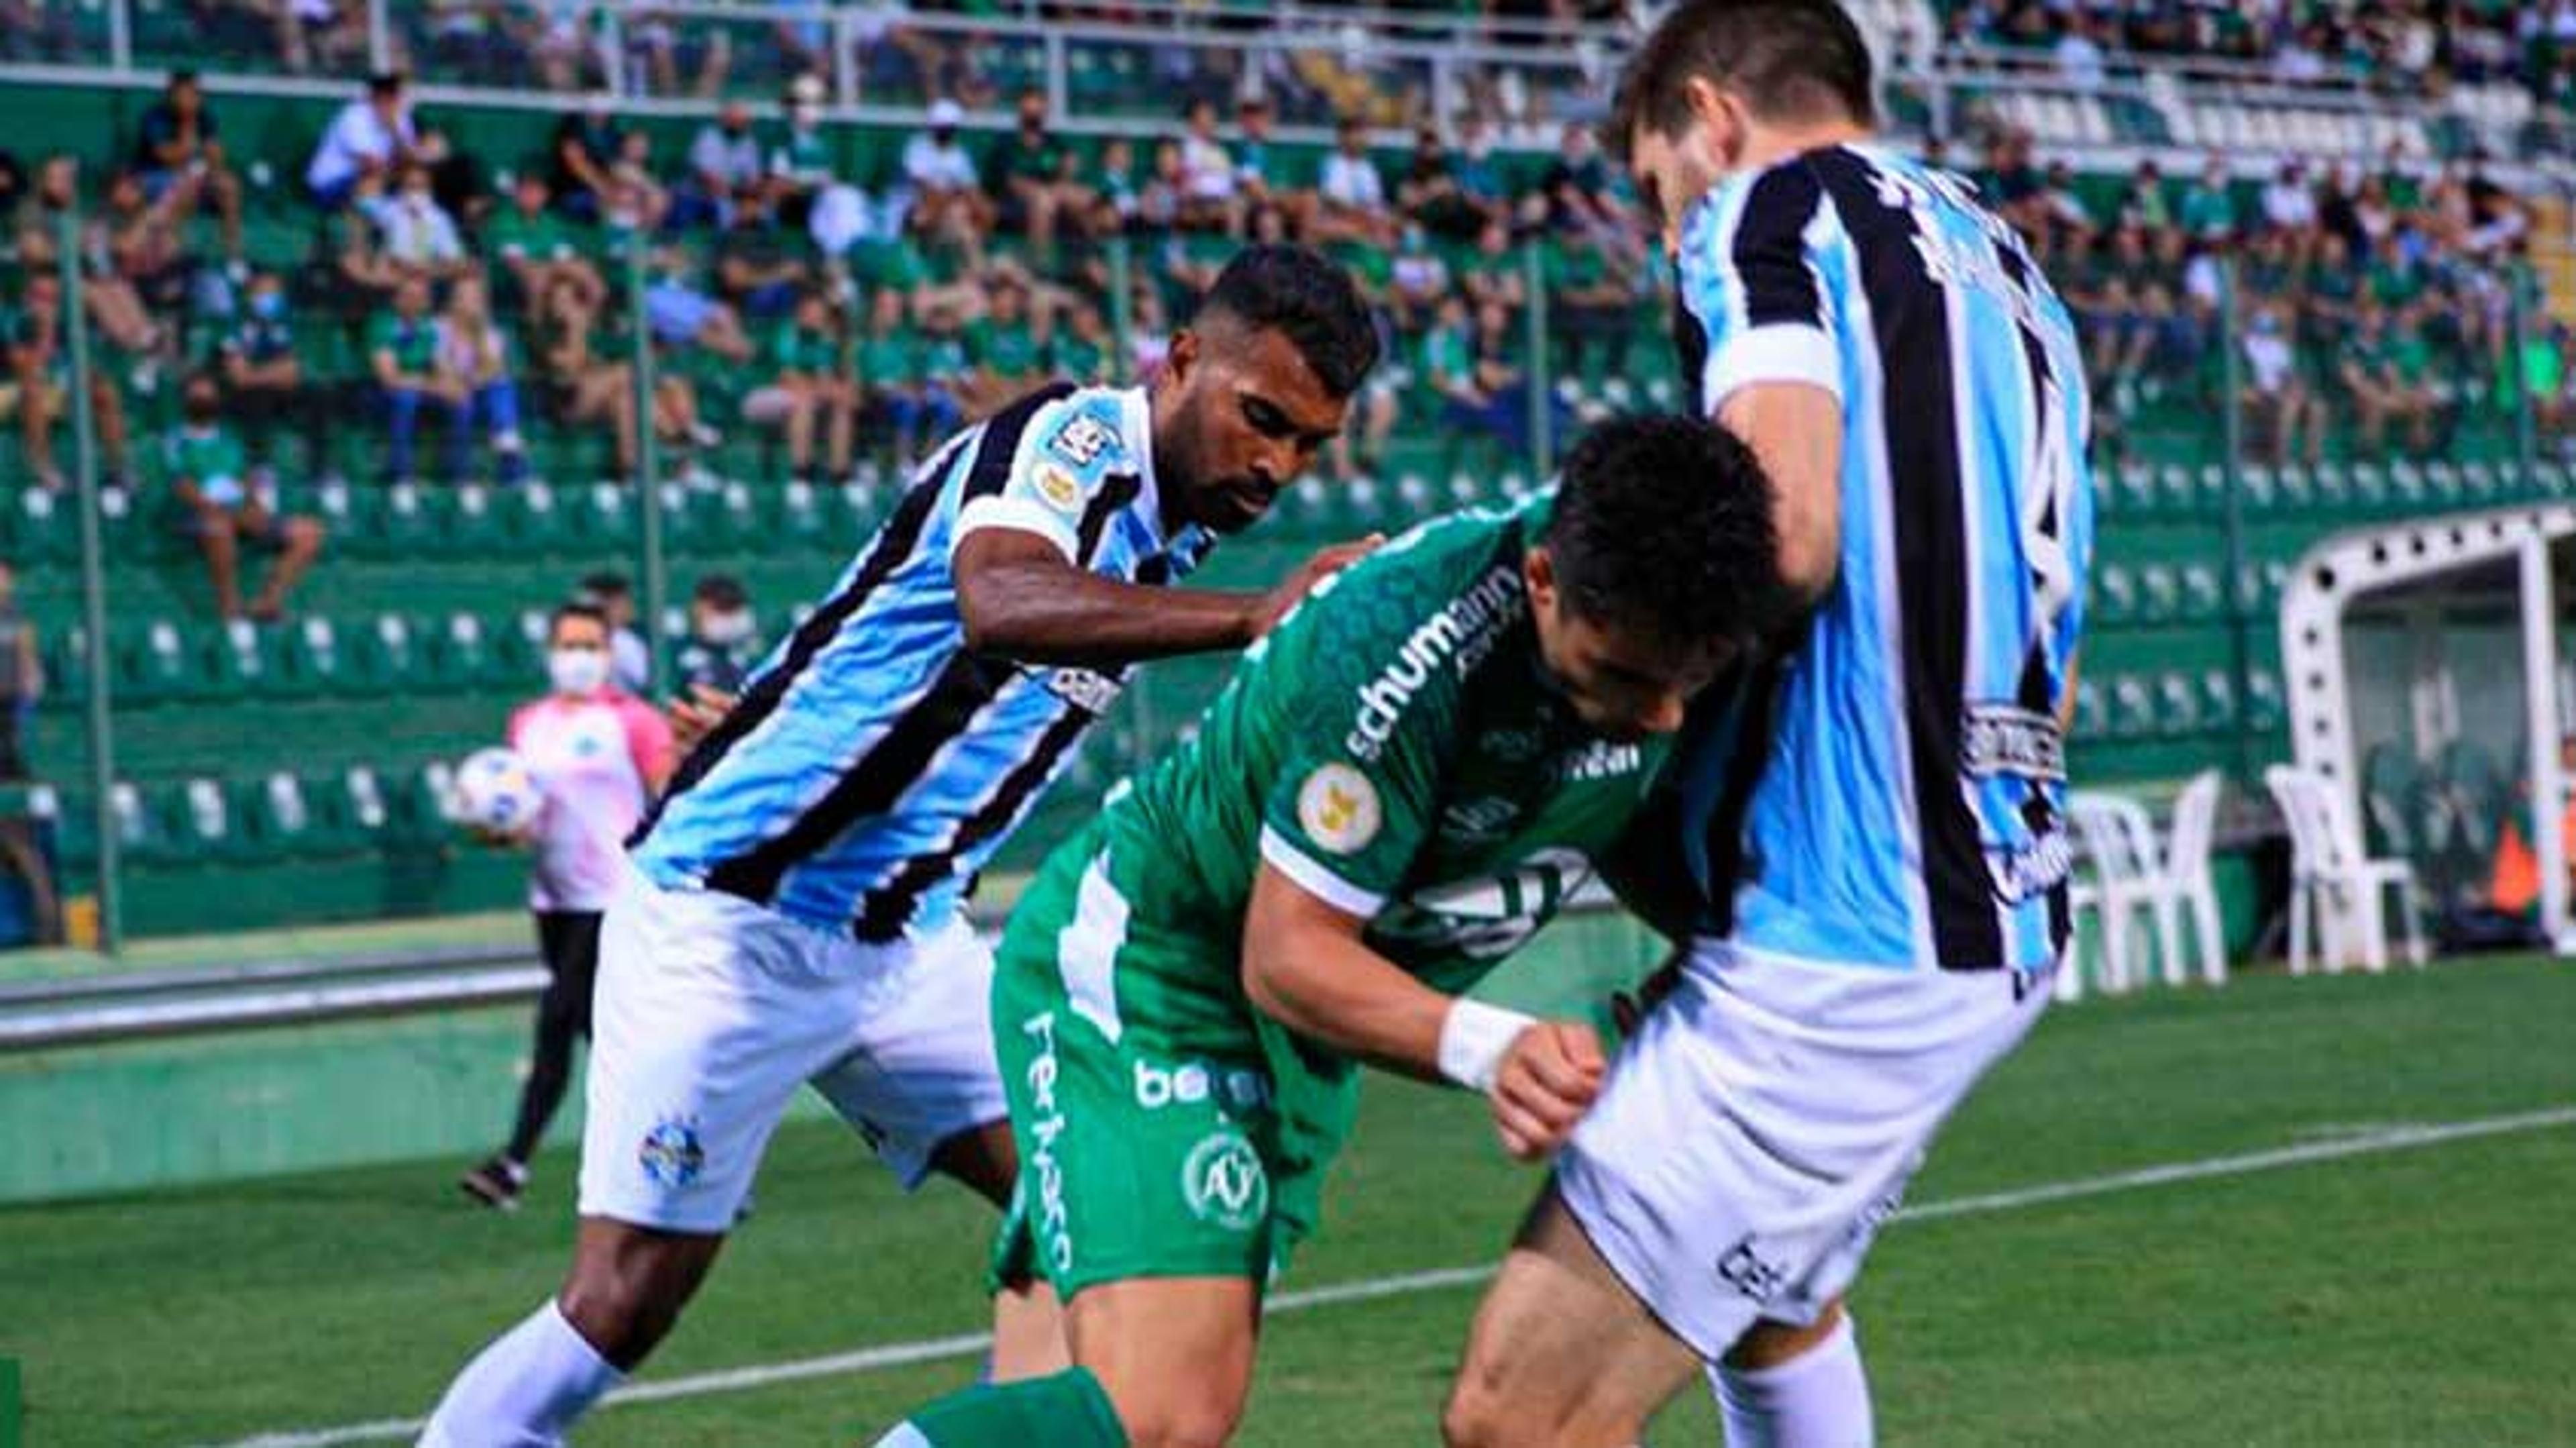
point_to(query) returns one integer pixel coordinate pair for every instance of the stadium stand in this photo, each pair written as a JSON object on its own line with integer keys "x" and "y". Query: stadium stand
{"x": 973, "y": 201}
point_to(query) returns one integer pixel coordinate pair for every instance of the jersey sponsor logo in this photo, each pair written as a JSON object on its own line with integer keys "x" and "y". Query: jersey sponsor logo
{"x": 1082, "y": 440}
{"x": 2025, "y": 872}
{"x": 1338, "y": 808}
{"x": 1602, "y": 760}
{"x": 2007, "y": 739}
{"x": 1085, "y": 689}
{"x": 1491, "y": 916}
{"x": 1744, "y": 1268}
{"x": 1224, "y": 1183}
{"x": 1463, "y": 631}
{"x": 1236, "y": 1089}
{"x": 1061, "y": 489}
{"x": 1051, "y": 1222}
{"x": 671, "y": 1153}
{"x": 1479, "y": 819}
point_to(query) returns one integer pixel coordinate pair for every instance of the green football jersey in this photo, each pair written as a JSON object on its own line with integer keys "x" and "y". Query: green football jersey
{"x": 1396, "y": 749}
{"x": 210, "y": 457}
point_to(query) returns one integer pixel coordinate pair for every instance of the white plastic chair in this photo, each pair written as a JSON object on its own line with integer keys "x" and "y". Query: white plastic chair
{"x": 2133, "y": 876}
{"x": 2338, "y": 895}
{"x": 2189, "y": 882}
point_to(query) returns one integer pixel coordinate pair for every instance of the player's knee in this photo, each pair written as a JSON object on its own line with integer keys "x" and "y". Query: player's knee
{"x": 623, "y": 1308}
{"x": 1191, "y": 1420}
{"x": 1480, "y": 1413}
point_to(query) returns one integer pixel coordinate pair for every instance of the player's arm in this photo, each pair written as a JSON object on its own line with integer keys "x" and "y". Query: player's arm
{"x": 1307, "y": 967}
{"x": 1020, "y": 597}
{"x": 1772, "y": 374}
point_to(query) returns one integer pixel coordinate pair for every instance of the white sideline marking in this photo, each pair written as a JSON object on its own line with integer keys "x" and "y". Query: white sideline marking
{"x": 2373, "y": 1143}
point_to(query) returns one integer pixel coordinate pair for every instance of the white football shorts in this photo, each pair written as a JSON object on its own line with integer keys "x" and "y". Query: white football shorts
{"x": 711, "y": 1010}
{"x": 1765, "y": 1120}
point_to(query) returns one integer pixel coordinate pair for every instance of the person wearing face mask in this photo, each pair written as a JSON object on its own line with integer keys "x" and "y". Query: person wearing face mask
{"x": 725, "y": 171}
{"x": 1867, "y": 863}
{"x": 600, "y": 754}
{"x": 724, "y": 638}
{"x": 225, "y": 506}
{"x": 264, "y": 378}
{"x": 415, "y": 233}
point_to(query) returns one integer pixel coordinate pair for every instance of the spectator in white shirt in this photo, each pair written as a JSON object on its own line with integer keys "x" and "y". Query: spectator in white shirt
{"x": 947, "y": 196}
{"x": 2289, "y": 203}
{"x": 1208, "y": 198}
{"x": 418, "y": 236}
{"x": 1351, "y": 201}
{"x": 724, "y": 170}
{"x": 2079, "y": 55}
{"x": 368, "y": 137}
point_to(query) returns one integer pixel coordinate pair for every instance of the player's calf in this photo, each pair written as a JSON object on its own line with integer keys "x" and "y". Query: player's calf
{"x": 629, "y": 1283}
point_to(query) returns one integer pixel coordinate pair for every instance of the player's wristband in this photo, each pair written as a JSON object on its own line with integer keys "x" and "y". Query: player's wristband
{"x": 1474, "y": 1039}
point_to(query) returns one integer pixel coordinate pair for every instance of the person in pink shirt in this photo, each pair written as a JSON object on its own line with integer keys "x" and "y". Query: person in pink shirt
{"x": 601, "y": 755}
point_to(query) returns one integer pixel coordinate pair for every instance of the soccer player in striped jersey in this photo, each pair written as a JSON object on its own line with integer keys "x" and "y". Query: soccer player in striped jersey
{"x": 793, "y": 911}
{"x": 1877, "y": 859}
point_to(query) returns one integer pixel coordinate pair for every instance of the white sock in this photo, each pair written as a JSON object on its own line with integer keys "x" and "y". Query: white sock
{"x": 1818, "y": 1399}
{"x": 532, "y": 1383}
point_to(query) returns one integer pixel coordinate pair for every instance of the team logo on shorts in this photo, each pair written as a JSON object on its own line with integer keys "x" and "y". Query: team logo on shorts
{"x": 671, "y": 1155}
{"x": 1224, "y": 1184}
{"x": 1058, "y": 487}
{"x": 1338, "y": 806}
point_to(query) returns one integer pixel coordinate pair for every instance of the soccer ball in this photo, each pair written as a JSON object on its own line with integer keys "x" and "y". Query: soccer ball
{"x": 496, "y": 791}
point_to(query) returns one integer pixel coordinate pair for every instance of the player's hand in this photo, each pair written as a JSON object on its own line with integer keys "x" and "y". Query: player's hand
{"x": 1547, "y": 1082}
{"x": 1326, "y": 562}
{"x": 692, "y": 717}
{"x": 501, "y": 839}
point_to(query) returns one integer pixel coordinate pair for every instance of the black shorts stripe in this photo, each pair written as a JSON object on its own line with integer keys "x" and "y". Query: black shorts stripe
{"x": 873, "y": 782}
{"x": 1919, "y": 423}
{"x": 892, "y": 547}
{"x": 999, "y": 441}
{"x": 887, "y": 909}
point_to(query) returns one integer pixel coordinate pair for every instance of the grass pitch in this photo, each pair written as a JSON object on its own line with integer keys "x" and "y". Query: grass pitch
{"x": 2306, "y": 1273}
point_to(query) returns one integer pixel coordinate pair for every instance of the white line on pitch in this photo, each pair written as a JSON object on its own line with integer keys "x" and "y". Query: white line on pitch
{"x": 2377, "y": 1142}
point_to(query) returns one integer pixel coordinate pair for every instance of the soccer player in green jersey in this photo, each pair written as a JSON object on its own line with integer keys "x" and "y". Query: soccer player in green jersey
{"x": 1398, "y": 787}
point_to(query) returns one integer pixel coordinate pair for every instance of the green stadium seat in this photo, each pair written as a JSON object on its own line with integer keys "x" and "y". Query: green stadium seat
{"x": 862, "y": 510}
{"x": 462, "y": 661}
{"x": 158, "y": 663}
{"x": 46, "y": 530}
{"x": 2133, "y": 714}
{"x": 2092, "y": 710}
{"x": 2412, "y": 488}
{"x": 2217, "y": 701}
{"x": 281, "y": 818}
{"x": 246, "y": 659}
{"x": 2369, "y": 487}
{"x": 316, "y": 659}
{"x": 407, "y": 528}
{"x": 2260, "y": 487}
{"x": 2159, "y": 594}
{"x": 475, "y": 525}
{"x": 798, "y": 518}
{"x": 2482, "y": 484}
{"x": 2296, "y": 488}
{"x": 2203, "y": 598}
{"x": 394, "y": 658}
{"x": 2115, "y": 594}
{"x": 365, "y": 813}
{"x": 603, "y": 517}
{"x": 2177, "y": 705}
{"x": 2263, "y": 707}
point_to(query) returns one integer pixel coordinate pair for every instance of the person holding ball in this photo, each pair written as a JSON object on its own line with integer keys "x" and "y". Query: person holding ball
{"x": 600, "y": 755}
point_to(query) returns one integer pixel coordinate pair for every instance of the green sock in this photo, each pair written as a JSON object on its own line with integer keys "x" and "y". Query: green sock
{"x": 1069, "y": 1410}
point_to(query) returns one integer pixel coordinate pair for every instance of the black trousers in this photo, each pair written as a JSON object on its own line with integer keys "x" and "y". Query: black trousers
{"x": 569, "y": 941}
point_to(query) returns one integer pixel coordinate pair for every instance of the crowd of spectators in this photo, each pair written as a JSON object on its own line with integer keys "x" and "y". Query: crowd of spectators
{"x": 2375, "y": 305}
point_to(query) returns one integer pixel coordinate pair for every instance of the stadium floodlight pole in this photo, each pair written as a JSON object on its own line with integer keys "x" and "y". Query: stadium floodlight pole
{"x": 2240, "y": 661}
{"x": 102, "y": 751}
{"x": 1542, "y": 419}
{"x": 648, "y": 457}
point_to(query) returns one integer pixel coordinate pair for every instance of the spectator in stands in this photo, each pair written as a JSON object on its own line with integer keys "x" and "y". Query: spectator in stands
{"x": 725, "y": 170}
{"x": 635, "y": 202}
{"x": 941, "y": 359}
{"x": 1417, "y": 280}
{"x": 415, "y": 234}
{"x": 1575, "y": 193}
{"x": 1430, "y": 194}
{"x": 402, "y": 353}
{"x": 630, "y": 663}
{"x": 1261, "y": 166}
{"x": 579, "y": 156}
{"x": 1591, "y": 303}
{"x": 1351, "y": 201}
{"x": 1007, "y": 345}
{"x": 22, "y": 679}
{"x": 1468, "y": 405}
{"x": 2209, "y": 207}
{"x": 2544, "y": 373}
{"x": 325, "y": 35}
{"x": 681, "y": 314}
{"x": 147, "y": 250}
{"x": 2289, "y": 202}
{"x": 2277, "y": 399}
{"x": 800, "y": 165}
{"x": 180, "y": 149}
{"x": 601, "y": 756}
{"x": 893, "y": 386}
{"x": 1497, "y": 275}
{"x": 474, "y": 368}
{"x": 368, "y": 137}
{"x": 948, "y": 201}
{"x": 759, "y": 267}
{"x": 263, "y": 375}
{"x": 1079, "y": 347}
{"x": 13, "y": 181}
{"x": 225, "y": 506}
{"x": 1034, "y": 171}
{"x": 1159, "y": 199}
{"x": 116, "y": 310}
{"x": 1209, "y": 198}
{"x": 576, "y": 387}
{"x": 536, "y": 250}
{"x": 41, "y": 381}
{"x": 1149, "y": 334}
{"x": 811, "y": 386}
{"x": 2081, "y": 61}
{"x": 1479, "y": 175}
{"x": 724, "y": 637}
{"x": 2384, "y": 373}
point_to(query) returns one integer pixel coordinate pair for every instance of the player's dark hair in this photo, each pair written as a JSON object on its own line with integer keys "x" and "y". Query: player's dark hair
{"x": 1663, "y": 523}
{"x": 1791, "y": 60}
{"x": 603, "y": 585}
{"x": 577, "y": 610}
{"x": 721, "y": 590}
{"x": 1297, "y": 291}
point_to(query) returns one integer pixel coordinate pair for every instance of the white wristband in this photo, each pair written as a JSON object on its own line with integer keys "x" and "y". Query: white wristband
{"x": 1475, "y": 1038}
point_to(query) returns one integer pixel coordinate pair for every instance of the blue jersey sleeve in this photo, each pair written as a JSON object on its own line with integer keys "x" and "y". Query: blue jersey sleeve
{"x": 1756, "y": 302}
{"x": 1072, "y": 467}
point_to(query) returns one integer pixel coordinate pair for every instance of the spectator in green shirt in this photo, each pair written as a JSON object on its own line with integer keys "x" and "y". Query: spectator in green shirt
{"x": 1031, "y": 174}
{"x": 536, "y": 246}
{"x": 402, "y": 353}
{"x": 1080, "y": 349}
{"x": 811, "y": 385}
{"x": 1007, "y": 349}
{"x": 892, "y": 388}
{"x": 224, "y": 507}
{"x": 2384, "y": 376}
{"x": 1589, "y": 300}
{"x": 2209, "y": 207}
